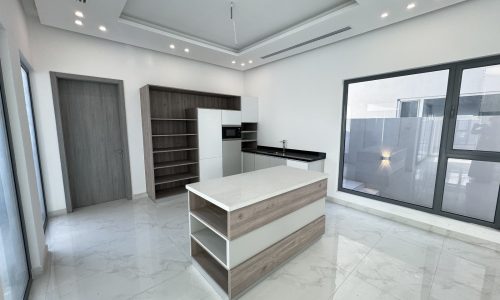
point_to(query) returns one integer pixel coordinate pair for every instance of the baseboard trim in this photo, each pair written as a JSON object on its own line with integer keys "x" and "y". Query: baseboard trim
{"x": 139, "y": 196}
{"x": 56, "y": 213}
{"x": 467, "y": 232}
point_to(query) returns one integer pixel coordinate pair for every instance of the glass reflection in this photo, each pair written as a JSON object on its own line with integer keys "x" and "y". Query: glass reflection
{"x": 472, "y": 188}
{"x": 478, "y": 115}
{"x": 392, "y": 138}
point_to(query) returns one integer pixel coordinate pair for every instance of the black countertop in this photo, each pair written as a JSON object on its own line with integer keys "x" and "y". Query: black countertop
{"x": 301, "y": 155}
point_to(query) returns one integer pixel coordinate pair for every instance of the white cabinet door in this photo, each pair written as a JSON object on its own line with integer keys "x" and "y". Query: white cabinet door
{"x": 231, "y": 158}
{"x": 231, "y": 117}
{"x": 249, "y": 109}
{"x": 261, "y": 162}
{"x": 274, "y": 161}
{"x": 266, "y": 161}
{"x": 210, "y": 168}
{"x": 247, "y": 162}
{"x": 210, "y": 133}
{"x": 297, "y": 164}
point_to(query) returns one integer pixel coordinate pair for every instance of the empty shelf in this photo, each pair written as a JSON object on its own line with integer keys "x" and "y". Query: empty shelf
{"x": 246, "y": 141}
{"x": 172, "y": 149}
{"x": 170, "y": 192}
{"x": 174, "y": 178}
{"x": 176, "y": 163}
{"x": 212, "y": 243}
{"x": 248, "y": 131}
{"x": 213, "y": 217}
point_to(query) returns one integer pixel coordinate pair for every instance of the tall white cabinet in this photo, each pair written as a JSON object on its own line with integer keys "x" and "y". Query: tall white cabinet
{"x": 210, "y": 143}
{"x": 249, "y": 109}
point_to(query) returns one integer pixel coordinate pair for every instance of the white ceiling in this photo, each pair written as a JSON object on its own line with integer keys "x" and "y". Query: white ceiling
{"x": 265, "y": 29}
{"x": 209, "y": 20}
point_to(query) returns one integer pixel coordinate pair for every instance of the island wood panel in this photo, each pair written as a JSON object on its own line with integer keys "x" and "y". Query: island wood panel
{"x": 256, "y": 268}
{"x": 249, "y": 218}
{"x": 210, "y": 265}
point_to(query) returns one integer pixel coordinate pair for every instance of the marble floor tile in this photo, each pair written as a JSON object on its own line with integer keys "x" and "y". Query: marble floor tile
{"x": 140, "y": 250}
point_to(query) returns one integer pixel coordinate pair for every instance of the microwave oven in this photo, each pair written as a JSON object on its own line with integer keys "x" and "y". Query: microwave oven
{"x": 231, "y": 132}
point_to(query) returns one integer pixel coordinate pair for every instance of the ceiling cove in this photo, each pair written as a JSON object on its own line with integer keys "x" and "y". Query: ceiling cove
{"x": 237, "y": 34}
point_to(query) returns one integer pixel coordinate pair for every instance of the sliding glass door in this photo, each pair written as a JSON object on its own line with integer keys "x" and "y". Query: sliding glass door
{"x": 14, "y": 274}
{"x": 428, "y": 139}
{"x": 392, "y": 135}
{"x": 472, "y": 179}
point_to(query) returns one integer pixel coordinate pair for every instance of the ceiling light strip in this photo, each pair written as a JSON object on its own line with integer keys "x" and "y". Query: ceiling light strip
{"x": 308, "y": 42}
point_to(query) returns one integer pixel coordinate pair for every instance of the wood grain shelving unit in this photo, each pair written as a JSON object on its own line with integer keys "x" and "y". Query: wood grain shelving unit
{"x": 248, "y": 135}
{"x": 171, "y": 137}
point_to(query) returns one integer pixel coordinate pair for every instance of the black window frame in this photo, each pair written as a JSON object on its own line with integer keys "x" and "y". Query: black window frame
{"x": 446, "y": 150}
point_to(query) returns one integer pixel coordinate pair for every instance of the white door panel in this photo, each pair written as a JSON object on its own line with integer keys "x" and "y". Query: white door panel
{"x": 209, "y": 133}
{"x": 210, "y": 168}
{"x": 231, "y": 117}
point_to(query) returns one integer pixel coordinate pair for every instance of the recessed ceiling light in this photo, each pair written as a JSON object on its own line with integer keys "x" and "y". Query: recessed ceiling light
{"x": 186, "y": 50}
{"x": 233, "y": 62}
{"x": 250, "y": 61}
{"x": 242, "y": 64}
{"x": 79, "y": 14}
{"x": 103, "y": 28}
{"x": 384, "y": 15}
{"x": 411, "y": 6}
{"x": 172, "y": 46}
{"x": 79, "y": 22}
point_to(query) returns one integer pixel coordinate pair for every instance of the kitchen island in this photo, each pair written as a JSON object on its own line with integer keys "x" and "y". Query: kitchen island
{"x": 243, "y": 227}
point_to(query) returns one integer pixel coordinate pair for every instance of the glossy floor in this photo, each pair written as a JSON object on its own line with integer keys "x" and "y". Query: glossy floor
{"x": 139, "y": 250}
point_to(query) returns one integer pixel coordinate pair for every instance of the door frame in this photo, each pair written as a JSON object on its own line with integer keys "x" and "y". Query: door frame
{"x": 54, "y": 77}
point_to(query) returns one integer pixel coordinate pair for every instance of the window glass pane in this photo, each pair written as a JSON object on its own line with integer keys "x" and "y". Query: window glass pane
{"x": 393, "y": 134}
{"x": 34, "y": 146}
{"x": 478, "y": 114}
{"x": 13, "y": 265}
{"x": 471, "y": 188}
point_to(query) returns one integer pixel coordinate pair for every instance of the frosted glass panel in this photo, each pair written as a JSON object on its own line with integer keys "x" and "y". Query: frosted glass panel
{"x": 471, "y": 188}
{"x": 393, "y": 135}
{"x": 478, "y": 115}
{"x": 13, "y": 266}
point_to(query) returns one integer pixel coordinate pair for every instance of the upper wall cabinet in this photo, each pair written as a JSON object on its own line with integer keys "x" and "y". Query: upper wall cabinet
{"x": 249, "y": 109}
{"x": 231, "y": 117}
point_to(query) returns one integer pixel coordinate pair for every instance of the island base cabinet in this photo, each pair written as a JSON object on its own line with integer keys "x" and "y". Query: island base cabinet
{"x": 233, "y": 283}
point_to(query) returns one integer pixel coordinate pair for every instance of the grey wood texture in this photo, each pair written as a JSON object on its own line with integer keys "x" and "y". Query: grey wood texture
{"x": 170, "y": 134}
{"x": 210, "y": 265}
{"x": 213, "y": 215}
{"x": 148, "y": 142}
{"x": 249, "y": 218}
{"x": 256, "y": 268}
{"x": 90, "y": 116}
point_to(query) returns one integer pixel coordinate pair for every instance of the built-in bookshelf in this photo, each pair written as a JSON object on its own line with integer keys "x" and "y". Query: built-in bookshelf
{"x": 171, "y": 137}
{"x": 248, "y": 135}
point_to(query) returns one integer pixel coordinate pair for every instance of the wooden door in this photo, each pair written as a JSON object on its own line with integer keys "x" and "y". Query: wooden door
{"x": 93, "y": 143}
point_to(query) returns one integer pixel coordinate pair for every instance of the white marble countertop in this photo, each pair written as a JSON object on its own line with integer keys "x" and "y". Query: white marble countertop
{"x": 237, "y": 191}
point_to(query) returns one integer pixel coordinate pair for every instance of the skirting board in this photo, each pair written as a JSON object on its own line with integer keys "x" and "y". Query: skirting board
{"x": 56, "y": 213}
{"x": 467, "y": 232}
{"x": 139, "y": 196}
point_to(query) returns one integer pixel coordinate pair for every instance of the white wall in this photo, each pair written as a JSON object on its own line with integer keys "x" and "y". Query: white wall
{"x": 14, "y": 46}
{"x": 301, "y": 97}
{"x": 67, "y": 52}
